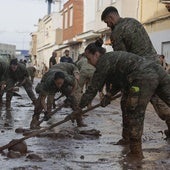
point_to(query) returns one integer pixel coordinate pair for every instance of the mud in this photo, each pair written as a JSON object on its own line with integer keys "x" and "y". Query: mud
{"x": 65, "y": 147}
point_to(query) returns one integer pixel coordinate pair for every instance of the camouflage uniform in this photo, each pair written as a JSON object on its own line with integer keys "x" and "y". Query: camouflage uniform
{"x": 21, "y": 76}
{"x": 129, "y": 35}
{"x": 3, "y": 75}
{"x": 139, "y": 79}
{"x": 86, "y": 72}
{"x": 31, "y": 72}
{"x": 47, "y": 88}
{"x": 71, "y": 70}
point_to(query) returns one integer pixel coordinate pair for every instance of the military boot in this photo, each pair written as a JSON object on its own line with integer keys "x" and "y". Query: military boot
{"x": 80, "y": 122}
{"x": 8, "y": 104}
{"x": 1, "y": 102}
{"x": 34, "y": 102}
{"x": 167, "y": 132}
{"x": 125, "y": 139}
{"x": 135, "y": 150}
{"x": 34, "y": 122}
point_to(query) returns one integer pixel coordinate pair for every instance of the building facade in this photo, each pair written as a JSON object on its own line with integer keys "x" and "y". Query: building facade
{"x": 157, "y": 24}
{"x": 7, "y": 52}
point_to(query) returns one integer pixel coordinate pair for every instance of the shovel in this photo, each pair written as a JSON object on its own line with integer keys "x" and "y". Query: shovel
{"x": 35, "y": 133}
{"x": 52, "y": 113}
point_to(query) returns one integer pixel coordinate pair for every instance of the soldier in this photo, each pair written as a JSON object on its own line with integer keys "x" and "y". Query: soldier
{"x": 60, "y": 78}
{"x": 3, "y": 75}
{"x": 86, "y": 73}
{"x": 31, "y": 71}
{"x": 137, "y": 77}
{"x": 129, "y": 35}
{"x": 17, "y": 73}
{"x": 73, "y": 71}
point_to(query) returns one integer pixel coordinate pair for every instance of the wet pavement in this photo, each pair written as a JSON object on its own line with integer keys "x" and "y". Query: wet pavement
{"x": 63, "y": 148}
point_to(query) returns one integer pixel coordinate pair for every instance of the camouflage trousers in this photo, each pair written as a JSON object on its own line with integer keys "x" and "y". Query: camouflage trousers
{"x": 39, "y": 106}
{"x": 27, "y": 86}
{"x": 134, "y": 104}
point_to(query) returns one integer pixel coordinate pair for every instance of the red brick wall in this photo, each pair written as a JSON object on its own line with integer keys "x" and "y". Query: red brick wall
{"x": 77, "y": 27}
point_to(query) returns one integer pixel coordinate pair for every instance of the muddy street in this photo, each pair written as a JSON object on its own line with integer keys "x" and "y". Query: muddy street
{"x": 69, "y": 147}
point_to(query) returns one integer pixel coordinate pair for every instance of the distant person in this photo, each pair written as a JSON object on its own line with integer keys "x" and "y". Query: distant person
{"x": 66, "y": 58}
{"x": 52, "y": 60}
{"x": 23, "y": 61}
{"x": 163, "y": 62}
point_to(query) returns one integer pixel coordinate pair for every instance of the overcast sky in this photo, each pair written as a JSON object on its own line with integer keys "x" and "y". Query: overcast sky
{"x": 18, "y": 19}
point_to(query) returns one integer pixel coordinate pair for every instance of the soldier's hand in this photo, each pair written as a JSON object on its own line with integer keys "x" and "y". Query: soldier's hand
{"x": 75, "y": 114}
{"x": 105, "y": 101}
{"x": 47, "y": 116}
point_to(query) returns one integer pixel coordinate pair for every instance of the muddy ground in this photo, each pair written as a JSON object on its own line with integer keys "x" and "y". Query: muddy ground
{"x": 65, "y": 149}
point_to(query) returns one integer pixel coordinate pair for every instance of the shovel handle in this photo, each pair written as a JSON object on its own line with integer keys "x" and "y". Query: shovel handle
{"x": 50, "y": 127}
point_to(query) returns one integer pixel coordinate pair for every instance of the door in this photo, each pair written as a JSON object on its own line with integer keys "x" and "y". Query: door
{"x": 166, "y": 51}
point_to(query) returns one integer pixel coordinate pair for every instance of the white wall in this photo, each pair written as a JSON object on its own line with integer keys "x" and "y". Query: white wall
{"x": 158, "y": 38}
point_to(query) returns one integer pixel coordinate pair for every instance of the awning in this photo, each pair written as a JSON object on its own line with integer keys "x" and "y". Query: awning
{"x": 87, "y": 35}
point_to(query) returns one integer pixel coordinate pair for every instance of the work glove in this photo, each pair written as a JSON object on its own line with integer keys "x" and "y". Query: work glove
{"x": 46, "y": 116}
{"x": 105, "y": 101}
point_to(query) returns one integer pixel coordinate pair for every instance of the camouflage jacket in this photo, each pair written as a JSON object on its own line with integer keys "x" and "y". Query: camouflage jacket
{"x": 48, "y": 87}
{"x": 20, "y": 74}
{"x": 129, "y": 35}
{"x": 31, "y": 71}
{"x": 84, "y": 66}
{"x": 66, "y": 67}
{"x": 120, "y": 69}
{"x": 3, "y": 71}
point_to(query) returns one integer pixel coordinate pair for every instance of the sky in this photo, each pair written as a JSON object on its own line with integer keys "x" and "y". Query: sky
{"x": 18, "y": 18}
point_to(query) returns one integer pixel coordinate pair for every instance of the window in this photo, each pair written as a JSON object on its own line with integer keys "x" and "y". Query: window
{"x": 71, "y": 17}
{"x": 113, "y": 1}
{"x": 66, "y": 19}
{"x": 99, "y": 4}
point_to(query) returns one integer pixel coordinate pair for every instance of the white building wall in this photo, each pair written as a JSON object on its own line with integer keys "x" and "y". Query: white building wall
{"x": 158, "y": 39}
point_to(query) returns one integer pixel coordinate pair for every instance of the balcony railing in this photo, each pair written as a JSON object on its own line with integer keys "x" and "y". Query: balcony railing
{"x": 165, "y": 1}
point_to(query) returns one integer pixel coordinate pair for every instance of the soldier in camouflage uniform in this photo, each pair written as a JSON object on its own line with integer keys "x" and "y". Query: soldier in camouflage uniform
{"x": 129, "y": 35}
{"x": 73, "y": 73}
{"x": 60, "y": 78}
{"x": 31, "y": 71}
{"x": 86, "y": 72}
{"x": 138, "y": 77}
{"x": 17, "y": 73}
{"x": 3, "y": 75}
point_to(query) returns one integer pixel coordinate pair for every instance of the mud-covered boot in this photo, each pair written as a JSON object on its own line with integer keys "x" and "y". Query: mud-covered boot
{"x": 167, "y": 132}
{"x": 80, "y": 122}
{"x": 8, "y": 104}
{"x": 125, "y": 138}
{"x": 34, "y": 102}
{"x": 135, "y": 150}
{"x": 34, "y": 122}
{"x": 1, "y": 102}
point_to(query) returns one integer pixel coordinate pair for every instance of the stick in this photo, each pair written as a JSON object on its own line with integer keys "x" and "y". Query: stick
{"x": 16, "y": 94}
{"x": 52, "y": 113}
{"x": 59, "y": 97}
{"x": 66, "y": 119}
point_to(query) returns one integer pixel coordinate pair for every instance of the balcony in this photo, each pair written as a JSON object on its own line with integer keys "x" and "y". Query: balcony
{"x": 167, "y": 4}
